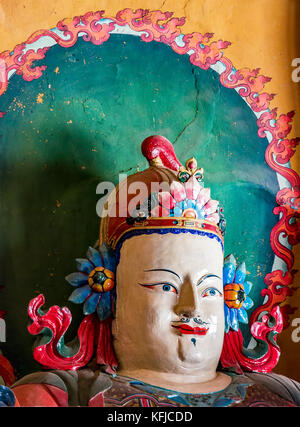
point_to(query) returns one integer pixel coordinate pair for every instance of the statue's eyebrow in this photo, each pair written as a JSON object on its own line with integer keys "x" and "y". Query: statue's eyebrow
{"x": 165, "y": 269}
{"x": 206, "y": 276}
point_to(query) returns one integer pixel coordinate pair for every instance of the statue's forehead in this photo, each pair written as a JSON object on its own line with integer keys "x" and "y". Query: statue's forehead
{"x": 182, "y": 252}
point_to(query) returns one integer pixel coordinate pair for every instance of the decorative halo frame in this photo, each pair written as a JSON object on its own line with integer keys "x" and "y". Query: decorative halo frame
{"x": 267, "y": 320}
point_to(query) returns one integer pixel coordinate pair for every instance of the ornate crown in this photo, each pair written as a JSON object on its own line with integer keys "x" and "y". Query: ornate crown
{"x": 178, "y": 202}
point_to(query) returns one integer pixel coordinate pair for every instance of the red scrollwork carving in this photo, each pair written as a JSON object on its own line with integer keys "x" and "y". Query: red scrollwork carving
{"x": 57, "y": 321}
{"x": 93, "y": 336}
{"x": 22, "y": 64}
{"x": 155, "y": 25}
{"x": 233, "y": 354}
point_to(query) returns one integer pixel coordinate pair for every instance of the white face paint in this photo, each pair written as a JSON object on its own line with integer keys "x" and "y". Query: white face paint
{"x": 170, "y": 306}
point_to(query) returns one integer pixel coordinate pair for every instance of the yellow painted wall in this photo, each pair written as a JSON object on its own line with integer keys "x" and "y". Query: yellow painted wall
{"x": 263, "y": 34}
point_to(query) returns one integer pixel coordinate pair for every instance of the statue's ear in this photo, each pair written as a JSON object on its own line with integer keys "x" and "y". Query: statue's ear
{"x": 94, "y": 284}
{"x": 236, "y": 293}
{"x": 240, "y": 333}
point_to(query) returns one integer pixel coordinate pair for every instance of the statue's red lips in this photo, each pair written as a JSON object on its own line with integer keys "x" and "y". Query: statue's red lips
{"x": 189, "y": 330}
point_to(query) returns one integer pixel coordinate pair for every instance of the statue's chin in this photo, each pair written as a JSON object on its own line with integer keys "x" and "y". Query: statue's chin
{"x": 187, "y": 353}
{"x": 181, "y": 354}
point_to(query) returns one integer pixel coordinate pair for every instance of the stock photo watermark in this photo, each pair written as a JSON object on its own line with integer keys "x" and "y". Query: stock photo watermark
{"x": 2, "y": 330}
{"x": 146, "y": 198}
{"x": 296, "y": 331}
{"x": 296, "y": 71}
{"x": 2, "y": 71}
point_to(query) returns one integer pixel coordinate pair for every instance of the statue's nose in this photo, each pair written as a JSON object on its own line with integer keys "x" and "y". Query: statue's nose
{"x": 188, "y": 301}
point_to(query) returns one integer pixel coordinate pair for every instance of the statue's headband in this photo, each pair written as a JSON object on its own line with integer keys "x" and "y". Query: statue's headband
{"x": 166, "y": 196}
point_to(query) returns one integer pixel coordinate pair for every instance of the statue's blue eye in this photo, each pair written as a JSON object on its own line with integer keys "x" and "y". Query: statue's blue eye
{"x": 211, "y": 292}
{"x": 169, "y": 288}
{"x": 166, "y": 287}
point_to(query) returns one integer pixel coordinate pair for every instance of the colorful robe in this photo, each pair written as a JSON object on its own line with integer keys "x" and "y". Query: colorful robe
{"x": 88, "y": 388}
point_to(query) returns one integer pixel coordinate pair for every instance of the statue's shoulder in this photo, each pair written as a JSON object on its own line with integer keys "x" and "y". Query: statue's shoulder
{"x": 62, "y": 388}
{"x": 44, "y": 388}
{"x": 287, "y": 388}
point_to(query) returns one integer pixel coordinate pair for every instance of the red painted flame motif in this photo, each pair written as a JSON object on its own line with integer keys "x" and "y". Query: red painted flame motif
{"x": 93, "y": 336}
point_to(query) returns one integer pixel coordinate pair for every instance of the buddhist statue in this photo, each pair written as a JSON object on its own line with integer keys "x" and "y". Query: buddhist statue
{"x": 159, "y": 300}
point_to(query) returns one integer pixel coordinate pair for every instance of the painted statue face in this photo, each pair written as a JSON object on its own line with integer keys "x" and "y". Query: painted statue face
{"x": 169, "y": 314}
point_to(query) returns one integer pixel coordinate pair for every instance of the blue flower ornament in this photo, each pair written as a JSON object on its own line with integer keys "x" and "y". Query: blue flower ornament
{"x": 95, "y": 282}
{"x": 236, "y": 290}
